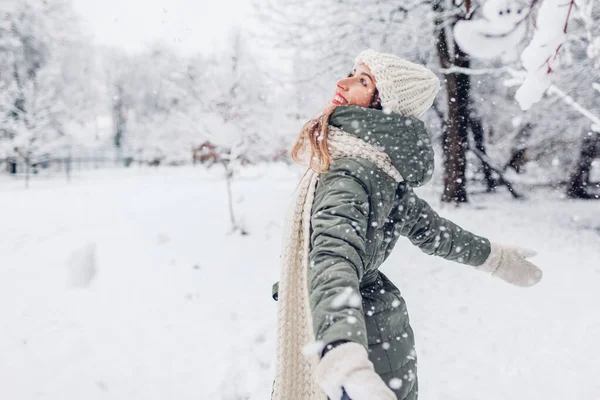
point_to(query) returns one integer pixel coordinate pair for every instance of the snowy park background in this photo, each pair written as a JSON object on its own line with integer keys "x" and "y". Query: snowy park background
{"x": 144, "y": 177}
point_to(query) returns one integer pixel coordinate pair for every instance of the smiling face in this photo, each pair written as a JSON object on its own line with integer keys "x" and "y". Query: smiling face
{"x": 357, "y": 89}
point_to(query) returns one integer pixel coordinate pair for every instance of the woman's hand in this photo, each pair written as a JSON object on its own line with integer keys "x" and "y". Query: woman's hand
{"x": 509, "y": 264}
{"x": 347, "y": 366}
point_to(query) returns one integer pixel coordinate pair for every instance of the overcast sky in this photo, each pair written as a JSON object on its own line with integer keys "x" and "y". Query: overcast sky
{"x": 190, "y": 25}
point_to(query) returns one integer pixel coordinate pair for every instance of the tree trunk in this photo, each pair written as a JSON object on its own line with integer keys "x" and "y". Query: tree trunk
{"x": 229, "y": 178}
{"x": 27, "y": 158}
{"x": 485, "y": 160}
{"x": 580, "y": 178}
{"x": 477, "y": 129}
{"x": 455, "y": 136}
{"x": 119, "y": 118}
{"x": 519, "y": 155}
{"x": 517, "y": 160}
{"x": 68, "y": 162}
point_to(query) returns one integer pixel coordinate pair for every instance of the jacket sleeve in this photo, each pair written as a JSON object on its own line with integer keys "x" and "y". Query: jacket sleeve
{"x": 415, "y": 219}
{"x": 339, "y": 222}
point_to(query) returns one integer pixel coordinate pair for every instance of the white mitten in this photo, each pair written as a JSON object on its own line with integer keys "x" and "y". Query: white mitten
{"x": 509, "y": 264}
{"x": 347, "y": 366}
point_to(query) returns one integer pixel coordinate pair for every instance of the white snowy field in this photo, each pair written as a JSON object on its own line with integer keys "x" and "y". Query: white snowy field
{"x": 125, "y": 284}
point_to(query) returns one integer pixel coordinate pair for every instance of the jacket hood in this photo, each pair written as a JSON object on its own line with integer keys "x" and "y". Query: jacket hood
{"x": 404, "y": 139}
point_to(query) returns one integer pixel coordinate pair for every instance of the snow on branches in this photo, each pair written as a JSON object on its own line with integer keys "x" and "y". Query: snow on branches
{"x": 540, "y": 58}
{"x": 504, "y": 26}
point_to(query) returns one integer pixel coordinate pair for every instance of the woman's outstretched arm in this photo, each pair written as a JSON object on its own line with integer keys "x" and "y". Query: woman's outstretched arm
{"x": 415, "y": 219}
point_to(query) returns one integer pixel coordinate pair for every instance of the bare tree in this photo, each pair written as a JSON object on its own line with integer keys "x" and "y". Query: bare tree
{"x": 578, "y": 186}
{"x": 455, "y": 136}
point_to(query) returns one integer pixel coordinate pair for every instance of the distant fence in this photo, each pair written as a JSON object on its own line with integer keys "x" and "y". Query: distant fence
{"x": 20, "y": 166}
{"x": 91, "y": 159}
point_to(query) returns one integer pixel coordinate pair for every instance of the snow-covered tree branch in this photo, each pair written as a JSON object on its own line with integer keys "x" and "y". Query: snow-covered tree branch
{"x": 504, "y": 25}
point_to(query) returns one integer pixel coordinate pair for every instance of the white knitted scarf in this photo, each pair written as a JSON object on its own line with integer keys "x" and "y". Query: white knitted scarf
{"x": 294, "y": 376}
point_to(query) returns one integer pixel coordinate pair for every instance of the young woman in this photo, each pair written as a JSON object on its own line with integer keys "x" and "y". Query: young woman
{"x": 343, "y": 327}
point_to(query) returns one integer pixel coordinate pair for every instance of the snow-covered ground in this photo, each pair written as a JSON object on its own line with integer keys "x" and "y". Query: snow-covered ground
{"x": 125, "y": 284}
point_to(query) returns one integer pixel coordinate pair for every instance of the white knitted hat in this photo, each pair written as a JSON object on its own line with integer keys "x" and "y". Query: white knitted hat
{"x": 404, "y": 87}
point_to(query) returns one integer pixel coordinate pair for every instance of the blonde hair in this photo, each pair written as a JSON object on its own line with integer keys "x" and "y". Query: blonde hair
{"x": 314, "y": 134}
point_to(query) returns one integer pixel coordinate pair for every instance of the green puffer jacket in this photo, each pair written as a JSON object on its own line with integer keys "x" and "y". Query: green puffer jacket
{"x": 359, "y": 212}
